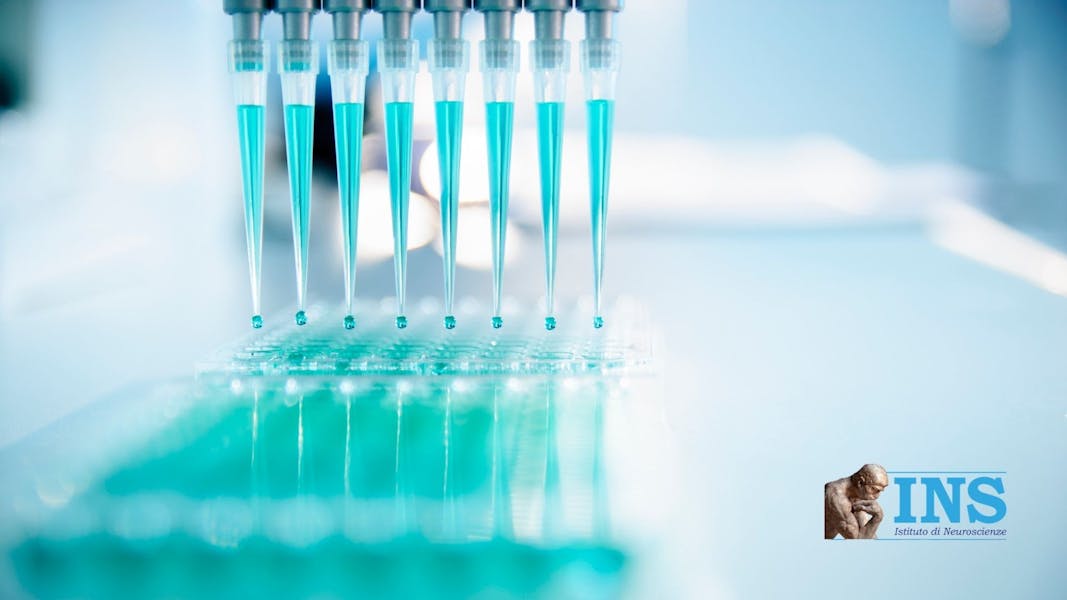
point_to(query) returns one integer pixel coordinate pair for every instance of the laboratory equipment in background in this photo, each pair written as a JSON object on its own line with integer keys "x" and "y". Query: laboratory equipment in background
{"x": 499, "y": 54}
{"x": 348, "y": 62}
{"x": 600, "y": 69}
{"x": 550, "y": 62}
{"x": 448, "y": 55}
{"x": 248, "y": 61}
{"x": 398, "y": 61}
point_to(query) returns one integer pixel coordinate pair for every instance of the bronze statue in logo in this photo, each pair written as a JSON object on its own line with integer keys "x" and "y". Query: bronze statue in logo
{"x": 851, "y": 504}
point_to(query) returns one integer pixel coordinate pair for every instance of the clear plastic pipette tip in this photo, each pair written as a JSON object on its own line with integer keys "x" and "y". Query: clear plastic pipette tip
{"x": 298, "y": 65}
{"x": 500, "y": 64}
{"x": 348, "y": 63}
{"x": 248, "y": 67}
{"x": 448, "y": 62}
{"x": 550, "y": 64}
{"x": 398, "y": 61}
{"x": 600, "y": 66}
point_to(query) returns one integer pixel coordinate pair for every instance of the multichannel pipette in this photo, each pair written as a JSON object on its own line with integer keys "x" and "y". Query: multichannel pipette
{"x": 499, "y": 65}
{"x": 448, "y": 57}
{"x": 549, "y": 60}
{"x": 398, "y": 61}
{"x": 348, "y": 62}
{"x": 600, "y": 68}
{"x": 248, "y": 64}
{"x": 298, "y": 63}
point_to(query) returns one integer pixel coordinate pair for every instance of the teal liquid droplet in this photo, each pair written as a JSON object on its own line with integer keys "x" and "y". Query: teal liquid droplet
{"x": 301, "y": 317}
{"x": 450, "y": 322}
{"x": 250, "y": 135}
{"x": 257, "y": 321}
{"x": 401, "y": 322}
{"x": 348, "y": 136}
{"x": 449, "y": 137}
{"x": 598, "y": 321}
{"x": 550, "y": 323}
{"x": 498, "y": 322}
{"x": 350, "y": 322}
{"x": 550, "y": 152}
{"x": 601, "y": 117}
{"x": 499, "y": 120}
{"x": 299, "y": 126}
{"x": 398, "y": 117}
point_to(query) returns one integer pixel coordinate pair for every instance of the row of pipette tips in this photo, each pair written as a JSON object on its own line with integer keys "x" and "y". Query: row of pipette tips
{"x": 398, "y": 61}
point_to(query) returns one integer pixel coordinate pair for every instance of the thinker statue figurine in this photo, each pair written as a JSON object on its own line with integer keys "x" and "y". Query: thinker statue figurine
{"x": 851, "y": 508}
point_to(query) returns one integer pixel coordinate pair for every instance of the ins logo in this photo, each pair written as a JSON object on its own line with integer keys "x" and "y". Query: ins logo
{"x": 852, "y": 510}
{"x": 983, "y": 493}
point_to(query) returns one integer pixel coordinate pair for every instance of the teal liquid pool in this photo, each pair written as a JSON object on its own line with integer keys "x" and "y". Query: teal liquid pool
{"x": 449, "y": 141}
{"x": 299, "y": 130}
{"x": 348, "y": 137}
{"x": 601, "y": 120}
{"x": 499, "y": 125}
{"x": 250, "y": 136}
{"x": 398, "y": 123}
{"x": 549, "y": 154}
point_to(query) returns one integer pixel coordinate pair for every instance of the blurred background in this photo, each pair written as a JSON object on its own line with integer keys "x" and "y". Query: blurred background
{"x": 820, "y": 203}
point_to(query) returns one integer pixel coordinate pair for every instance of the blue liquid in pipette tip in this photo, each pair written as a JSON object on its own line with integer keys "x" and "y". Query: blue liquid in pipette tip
{"x": 601, "y": 117}
{"x": 299, "y": 127}
{"x": 449, "y": 137}
{"x": 450, "y": 322}
{"x": 550, "y": 323}
{"x": 301, "y": 318}
{"x": 250, "y": 134}
{"x": 398, "y": 117}
{"x": 598, "y": 321}
{"x": 348, "y": 134}
{"x": 550, "y": 150}
{"x": 499, "y": 119}
{"x": 257, "y": 321}
{"x": 401, "y": 322}
{"x": 498, "y": 322}
{"x": 350, "y": 322}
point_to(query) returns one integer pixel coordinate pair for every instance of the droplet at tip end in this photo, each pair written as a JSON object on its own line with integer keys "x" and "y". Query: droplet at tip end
{"x": 301, "y": 318}
{"x": 598, "y": 321}
{"x": 257, "y": 321}
{"x": 550, "y": 323}
{"x": 401, "y": 322}
{"x": 350, "y": 322}
{"x": 498, "y": 322}
{"x": 450, "y": 322}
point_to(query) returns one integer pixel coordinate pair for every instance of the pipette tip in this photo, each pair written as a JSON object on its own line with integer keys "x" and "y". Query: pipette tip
{"x": 598, "y": 321}
{"x": 301, "y": 318}
{"x": 498, "y": 322}
{"x": 401, "y": 322}
{"x": 350, "y": 322}
{"x": 450, "y": 322}
{"x": 550, "y": 323}
{"x": 257, "y": 321}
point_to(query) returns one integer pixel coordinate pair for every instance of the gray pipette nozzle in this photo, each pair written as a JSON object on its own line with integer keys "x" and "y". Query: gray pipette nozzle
{"x": 548, "y": 17}
{"x": 296, "y": 17}
{"x": 447, "y": 17}
{"x": 599, "y": 17}
{"x": 499, "y": 17}
{"x": 247, "y": 16}
{"x": 396, "y": 17}
{"x": 347, "y": 16}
